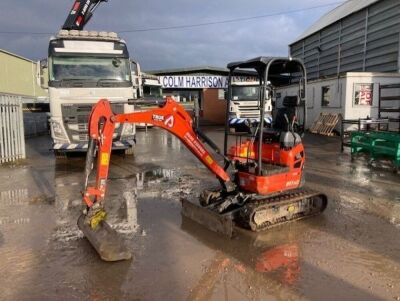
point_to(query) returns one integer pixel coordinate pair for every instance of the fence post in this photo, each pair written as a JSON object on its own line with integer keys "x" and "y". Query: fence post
{"x": 13, "y": 132}
{"x": 2, "y": 151}
{"x": 21, "y": 129}
{"x": 7, "y": 127}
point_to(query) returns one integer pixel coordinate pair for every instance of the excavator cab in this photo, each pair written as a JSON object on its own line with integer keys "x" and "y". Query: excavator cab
{"x": 257, "y": 146}
{"x": 289, "y": 112}
{"x": 268, "y": 162}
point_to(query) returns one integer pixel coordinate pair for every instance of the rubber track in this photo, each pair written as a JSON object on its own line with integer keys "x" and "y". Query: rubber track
{"x": 245, "y": 218}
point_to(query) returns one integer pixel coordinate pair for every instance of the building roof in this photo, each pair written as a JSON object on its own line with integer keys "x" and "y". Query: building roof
{"x": 189, "y": 70}
{"x": 340, "y": 12}
{"x": 200, "y": 70}
{"x": 16, "y": 55}
{"x": 263, "y": 61}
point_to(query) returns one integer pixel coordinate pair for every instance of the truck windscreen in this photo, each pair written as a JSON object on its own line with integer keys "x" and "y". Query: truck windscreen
{"x": 245, "y": 92}
{"x": 96, "y": 69}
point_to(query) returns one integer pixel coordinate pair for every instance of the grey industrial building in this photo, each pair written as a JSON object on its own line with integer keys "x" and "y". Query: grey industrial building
{"x": 359, "y": 35}
{"x": 352, "y": 56}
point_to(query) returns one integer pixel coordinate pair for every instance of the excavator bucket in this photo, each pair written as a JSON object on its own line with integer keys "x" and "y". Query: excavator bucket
{"x": 108, "y": 243}
{"x": 220, "y": 223}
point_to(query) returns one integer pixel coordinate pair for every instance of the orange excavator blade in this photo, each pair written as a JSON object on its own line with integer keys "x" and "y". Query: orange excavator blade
{"x": 213, "y": 221}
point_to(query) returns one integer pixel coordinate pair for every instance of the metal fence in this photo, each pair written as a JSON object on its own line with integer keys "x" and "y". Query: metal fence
{"x": 12, "y": 140}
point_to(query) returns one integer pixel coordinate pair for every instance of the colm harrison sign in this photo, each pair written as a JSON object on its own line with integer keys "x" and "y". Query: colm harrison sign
{"x": 199, "y": 81}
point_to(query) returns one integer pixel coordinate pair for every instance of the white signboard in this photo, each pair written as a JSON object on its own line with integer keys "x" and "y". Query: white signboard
{"x": 199, "y": 81}
{"x": 363, "y": 94}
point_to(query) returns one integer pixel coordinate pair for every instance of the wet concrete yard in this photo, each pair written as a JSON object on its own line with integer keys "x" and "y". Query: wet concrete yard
{"x": 350, "y": 252}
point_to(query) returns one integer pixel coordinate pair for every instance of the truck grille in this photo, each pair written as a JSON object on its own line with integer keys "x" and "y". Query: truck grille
{"x": 248, "y": 110}
{"x": 83, "y": 127}
{"x": 83, "y": 137}
{"x": 249, "y": 114}
{"x": 75, "y": 118}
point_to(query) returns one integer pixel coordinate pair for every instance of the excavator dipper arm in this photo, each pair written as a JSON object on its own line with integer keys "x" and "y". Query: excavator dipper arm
{"x": 170, "y": 116}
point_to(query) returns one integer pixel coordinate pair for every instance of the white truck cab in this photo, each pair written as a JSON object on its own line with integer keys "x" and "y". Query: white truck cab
{"x": 245, "y": 105}
{"x": 84, "y": 67}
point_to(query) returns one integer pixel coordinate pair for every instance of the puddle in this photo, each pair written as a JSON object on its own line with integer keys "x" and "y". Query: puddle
{"x": 344, "y": 254}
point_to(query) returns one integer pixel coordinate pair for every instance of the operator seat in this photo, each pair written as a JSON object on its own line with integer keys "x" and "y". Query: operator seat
{"x": 282, "y": 130}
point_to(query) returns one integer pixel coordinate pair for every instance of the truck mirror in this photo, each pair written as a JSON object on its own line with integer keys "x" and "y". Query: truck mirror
{"x": 137, "y": 79}
{"x": 134, "y": 68}
{"x": 41, "y": 73}
{"x": 268, "y": 93}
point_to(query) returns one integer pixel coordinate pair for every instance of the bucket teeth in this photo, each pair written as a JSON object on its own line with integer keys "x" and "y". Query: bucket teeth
{"x": 105, "y": 240}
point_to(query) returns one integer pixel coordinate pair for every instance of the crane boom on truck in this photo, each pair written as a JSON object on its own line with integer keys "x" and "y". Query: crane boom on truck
{"x": 264, "y": 188}
{"x": 84, "y": 66}
{"x": 80, "y": 14}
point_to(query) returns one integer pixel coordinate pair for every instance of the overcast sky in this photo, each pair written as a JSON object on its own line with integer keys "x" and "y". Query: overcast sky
{"x": 214, "y": 45}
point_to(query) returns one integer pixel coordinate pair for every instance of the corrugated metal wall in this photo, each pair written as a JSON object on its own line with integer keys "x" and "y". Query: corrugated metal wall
{"x": 368, "y": 40}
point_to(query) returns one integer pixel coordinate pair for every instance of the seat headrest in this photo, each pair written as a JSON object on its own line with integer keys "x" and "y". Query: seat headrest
{"x": 291, "y": 101}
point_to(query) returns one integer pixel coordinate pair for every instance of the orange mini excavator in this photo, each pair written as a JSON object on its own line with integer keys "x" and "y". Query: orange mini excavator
{"x": 262, "y": 175}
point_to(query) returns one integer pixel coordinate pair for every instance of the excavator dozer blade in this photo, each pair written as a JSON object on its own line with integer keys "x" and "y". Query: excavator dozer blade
{"x": 106, "y": 241}
{"x": 204, "y": 216}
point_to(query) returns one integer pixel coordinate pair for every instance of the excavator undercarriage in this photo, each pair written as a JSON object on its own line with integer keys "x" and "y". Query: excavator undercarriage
{"x": 254, "y": 212}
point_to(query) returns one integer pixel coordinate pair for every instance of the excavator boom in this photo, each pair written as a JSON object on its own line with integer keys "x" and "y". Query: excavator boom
{"x": 171, "y": 117}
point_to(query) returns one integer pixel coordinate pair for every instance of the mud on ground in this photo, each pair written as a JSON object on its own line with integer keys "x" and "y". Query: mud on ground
{"x": 351, "y": 252}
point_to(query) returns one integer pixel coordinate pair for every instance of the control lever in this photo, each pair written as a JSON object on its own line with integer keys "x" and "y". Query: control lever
{"x": 288, "y": 122}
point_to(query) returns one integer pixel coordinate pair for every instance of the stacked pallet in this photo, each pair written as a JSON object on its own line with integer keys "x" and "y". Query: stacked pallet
{"x": 325, "y": 124}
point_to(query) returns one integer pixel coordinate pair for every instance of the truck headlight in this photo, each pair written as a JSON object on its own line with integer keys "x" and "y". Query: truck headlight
{"x": 128, "y": 130}
{"x": 57, "y": 130}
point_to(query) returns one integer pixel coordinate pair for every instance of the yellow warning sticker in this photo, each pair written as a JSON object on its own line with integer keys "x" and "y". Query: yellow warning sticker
{"x": 209, "y": 160}
{"x": 105, "y": 159}
{"x": 291, "y": 208}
